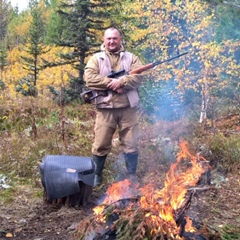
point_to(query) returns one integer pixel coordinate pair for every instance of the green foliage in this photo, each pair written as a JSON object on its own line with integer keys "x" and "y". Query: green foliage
{"x": 34, "y": 48}
{"x": 6, "y": 195}
{"x": 56, "y": 24}
{"x": 160, "y": 99}
{"x": 26, "y": 86}
{"x": 230, "y": 232}
{"x": 230, "y": 94}
{"x": 228, "y": 27}
{"x": 225, "y": 151}
{"x": 37, "y": 31}
{"x": 17, "y": 187}
{"x": 22, "y": 159}
{"x": 14, "y": 120}
{"x": 79, "y": 24}
{"x": 133, "y": 226}
{"x": 5, "y": 16}
{"x": 2, "y": 85}
{"x": 149, "y": 94}
{"x": 68, "y": 94}
{"x": 3, "y": 57}
{"x": 17, "y": 35}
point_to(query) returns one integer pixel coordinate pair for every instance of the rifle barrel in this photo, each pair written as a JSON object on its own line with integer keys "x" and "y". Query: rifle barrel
{"x": 152, "y": 65}
{"x": 167, "y": 60}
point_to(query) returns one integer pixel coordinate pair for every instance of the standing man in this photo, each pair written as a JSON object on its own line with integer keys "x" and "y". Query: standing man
{"x": 114, "y": 111}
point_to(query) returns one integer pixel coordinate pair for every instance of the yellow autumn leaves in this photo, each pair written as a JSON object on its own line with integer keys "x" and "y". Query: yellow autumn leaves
{"x": 56, "y": 76}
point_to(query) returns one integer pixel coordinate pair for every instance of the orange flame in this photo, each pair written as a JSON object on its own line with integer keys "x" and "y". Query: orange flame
{"x": 172, "y": 196}
{"x": 188, "y": 226}
{"x": 118, "y": 190}
{"x": 161, "y": 205}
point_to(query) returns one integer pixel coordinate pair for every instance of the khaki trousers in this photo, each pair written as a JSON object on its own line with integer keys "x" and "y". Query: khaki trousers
{"x": 125, "y": 120}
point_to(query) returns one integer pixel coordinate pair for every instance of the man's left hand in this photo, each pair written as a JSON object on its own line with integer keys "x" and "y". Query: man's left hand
{"x": 115, "y": 84}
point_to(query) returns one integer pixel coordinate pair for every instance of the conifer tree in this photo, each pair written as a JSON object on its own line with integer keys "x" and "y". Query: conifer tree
{"x": 34, "y": 48}
{"x": 80, "y": 30}
{"x": 5, "y": 17}
{"x": 3, "y": 63}
{"x": 54, "y": 26}
{"x": 3, "y": 58}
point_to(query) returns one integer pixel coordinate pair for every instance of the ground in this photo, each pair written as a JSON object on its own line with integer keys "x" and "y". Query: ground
{"x": 29, "y": 217}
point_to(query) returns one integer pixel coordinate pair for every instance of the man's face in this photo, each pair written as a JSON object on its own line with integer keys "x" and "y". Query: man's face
{"x": 112, "y": 40}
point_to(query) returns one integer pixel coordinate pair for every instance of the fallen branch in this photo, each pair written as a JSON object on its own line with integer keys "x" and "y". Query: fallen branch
{"x": 201, "y": 188}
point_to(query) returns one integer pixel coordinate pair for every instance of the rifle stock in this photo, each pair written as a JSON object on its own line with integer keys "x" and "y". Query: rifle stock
{"x": 141, "y": 69}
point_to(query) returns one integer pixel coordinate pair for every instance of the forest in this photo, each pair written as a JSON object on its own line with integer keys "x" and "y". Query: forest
{"x": 192, "y": 99}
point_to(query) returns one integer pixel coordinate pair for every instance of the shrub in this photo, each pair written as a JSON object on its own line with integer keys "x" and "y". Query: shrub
{"x": 225, "y": 151}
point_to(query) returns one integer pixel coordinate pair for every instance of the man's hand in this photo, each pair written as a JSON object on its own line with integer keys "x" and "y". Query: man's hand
{"x": 120, "y": 91}
{"x": 115, "y": 84}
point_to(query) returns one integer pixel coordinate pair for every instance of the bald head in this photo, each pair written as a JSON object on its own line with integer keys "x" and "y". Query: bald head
{"x": 112, "y": 39}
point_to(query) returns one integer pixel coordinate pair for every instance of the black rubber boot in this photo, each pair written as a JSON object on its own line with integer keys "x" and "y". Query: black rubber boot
{"x": 131, "y": 160}
{"x": 100, "y": 162}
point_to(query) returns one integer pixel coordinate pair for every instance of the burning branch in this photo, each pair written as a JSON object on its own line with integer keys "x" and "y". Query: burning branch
{"x": 155, "y": 214}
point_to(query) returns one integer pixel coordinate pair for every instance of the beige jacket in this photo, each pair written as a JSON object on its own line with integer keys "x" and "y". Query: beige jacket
{"x": 101, "y": 64}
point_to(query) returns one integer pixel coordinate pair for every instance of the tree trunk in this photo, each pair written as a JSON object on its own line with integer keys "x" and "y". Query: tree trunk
{"x": 205, "y": 100}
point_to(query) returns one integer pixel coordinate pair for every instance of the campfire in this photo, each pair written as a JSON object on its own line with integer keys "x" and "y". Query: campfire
{"x": 131, "y": 212}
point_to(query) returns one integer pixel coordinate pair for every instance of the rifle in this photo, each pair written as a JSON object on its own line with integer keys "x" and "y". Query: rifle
{"x": 88, "y": 95}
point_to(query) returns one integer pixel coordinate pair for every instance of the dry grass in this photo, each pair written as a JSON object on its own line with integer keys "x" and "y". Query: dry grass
{"x": 32, "y": 128}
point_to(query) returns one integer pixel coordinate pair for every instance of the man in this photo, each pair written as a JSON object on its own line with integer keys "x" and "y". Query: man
{"x": 117, "y": 101}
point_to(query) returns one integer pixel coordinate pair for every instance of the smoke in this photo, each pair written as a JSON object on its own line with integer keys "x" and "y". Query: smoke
{"x": 162, "y": 100}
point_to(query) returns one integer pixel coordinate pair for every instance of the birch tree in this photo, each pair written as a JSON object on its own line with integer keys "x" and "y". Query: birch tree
{"x": 190, "y": 26}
